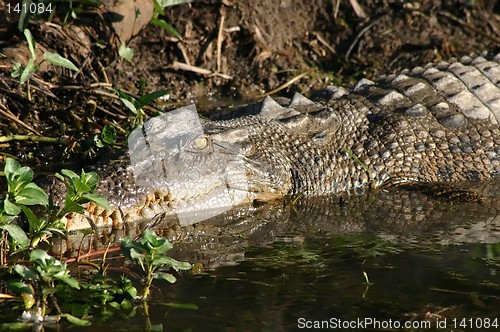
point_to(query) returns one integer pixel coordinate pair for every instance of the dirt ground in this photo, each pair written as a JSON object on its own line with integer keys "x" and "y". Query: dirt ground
{"x": 230, "y": 52}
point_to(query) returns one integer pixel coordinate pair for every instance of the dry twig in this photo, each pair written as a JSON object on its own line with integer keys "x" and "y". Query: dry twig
{"x": 220, "y": 38}
{"x": 5, "y": 112}
{"x": 470, "y": 27}
{"x": 285, "y": 85}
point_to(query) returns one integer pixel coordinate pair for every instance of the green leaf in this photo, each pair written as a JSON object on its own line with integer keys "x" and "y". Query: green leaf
{"x": 15, "y": 326}
{"x": 98, "y": 199}
{"x": 126, "y": 52}
{"x": 126, "y": 305}
{"x": 126, "y": 246}
{"x": 17, "y": 70}
{"x": 79, "y": 309}
{"x": 24, "y": 16}
{"x": 41, "y": 258}
{"x": 156, "y": 328}
{"x": 163, "y": 246}
{"x": 77, "y": 321}
{"x": 169, "y": 261}
{"x": 58, "y": 228}
{"x": 167, "y": 27}
{"x": 18, "y": 179}
{"x": 72, "y": 282}
{"x": 17, "y": 234}
{"x": 114, "y": 305}
{"x": 129, "y": 105}
{"x": 158, "y": 9}
{"x": 19, "y": 287}
{"x": 98, "y": 142}
{"x": 144, "y": 100}
{"x": 81, "y": 187}
{"x": 32, "y": 194}
{"x": 132, "y": 291}
{"x": 149, "y": 236}
{"x": 11, "y": 167}
{"x": 25, "y": 272}
{"x": 136, "y": 255}
{"x": 91, "y": 179}
{"x": 31, "y": 43}
{"x": 70, "y": 174}
{"x": 58, "y": 60}
{"x": 24, "y": 174}
{"x": 108, "y": 134}
{"x": 4, "y": 218}
{"x": 71, "y": 206}
{"x": 32, "y": 219}
{"x": 28, "y": 71}
{"x": 11, "y": 208}
{"x": 164, "y": 276}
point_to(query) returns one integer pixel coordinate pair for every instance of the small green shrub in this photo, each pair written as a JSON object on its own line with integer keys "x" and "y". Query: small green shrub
{"x": 149, "y": 253}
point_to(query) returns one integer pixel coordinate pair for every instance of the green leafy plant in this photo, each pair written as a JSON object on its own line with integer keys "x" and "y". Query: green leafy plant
{"x": 106, "y": 293}
{"x": 40, "y": 282}
{"x": 24, "y": 73}
{"x": 159, "y": 6}
{"x": 23, "y": 193}
{"x": 44, "y": 284}
{"x": 149, "y": 253}
{"x": 126, "y": 52}
{"x": 79, "y": 191}
{"x": 107, "y": 136}
{"x": 136, "y": 105}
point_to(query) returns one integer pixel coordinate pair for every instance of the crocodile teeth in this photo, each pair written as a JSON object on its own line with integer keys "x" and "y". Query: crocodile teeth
{"x": 271, "y": 109}
{"x": 155, "y": 206}
{"x": 116, "y": 219}
{"x": 146, "y": 212}
{"x": 299, "y": 100}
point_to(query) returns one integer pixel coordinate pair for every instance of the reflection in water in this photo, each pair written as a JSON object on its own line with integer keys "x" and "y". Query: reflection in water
{"x": 269, "y": 266}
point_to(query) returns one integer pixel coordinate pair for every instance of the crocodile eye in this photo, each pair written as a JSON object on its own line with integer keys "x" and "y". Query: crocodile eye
{"x": 200, "y": 142}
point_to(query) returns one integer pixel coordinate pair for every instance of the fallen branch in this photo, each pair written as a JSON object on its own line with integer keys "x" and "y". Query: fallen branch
{"x": 32, "y": 138}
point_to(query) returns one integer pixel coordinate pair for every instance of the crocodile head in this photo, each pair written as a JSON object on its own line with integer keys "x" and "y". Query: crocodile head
{"x": 191, "y": 168}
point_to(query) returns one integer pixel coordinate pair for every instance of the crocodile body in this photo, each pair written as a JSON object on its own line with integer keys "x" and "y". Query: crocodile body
{"x": 437, "y": 123}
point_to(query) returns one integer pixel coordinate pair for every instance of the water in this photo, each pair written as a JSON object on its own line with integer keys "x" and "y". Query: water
{"x": 280, "y": 286}
{"x": 323, "y": 280}
{"x": 378, "y": 261}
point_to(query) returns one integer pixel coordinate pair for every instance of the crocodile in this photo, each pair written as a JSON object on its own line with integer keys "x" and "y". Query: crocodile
{"x": 432, "y": 124}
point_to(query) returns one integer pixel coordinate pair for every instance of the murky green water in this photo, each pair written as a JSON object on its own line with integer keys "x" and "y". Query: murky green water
{"x": 425, "y": 261}
{"x": 287, "y": 284}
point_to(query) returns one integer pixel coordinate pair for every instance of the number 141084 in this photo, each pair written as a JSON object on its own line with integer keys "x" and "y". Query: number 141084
{"x": 32, "y": 8}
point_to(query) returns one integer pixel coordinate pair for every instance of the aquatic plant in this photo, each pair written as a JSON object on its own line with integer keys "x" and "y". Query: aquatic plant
{"x": 149, "y": 253}
{"x": 23, "y": 194}
{"x": 42, "y": 281}
{"x": 38, "y": 283}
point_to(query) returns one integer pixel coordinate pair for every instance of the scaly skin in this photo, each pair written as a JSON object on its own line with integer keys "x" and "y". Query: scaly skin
{"x": 426, "y": 125}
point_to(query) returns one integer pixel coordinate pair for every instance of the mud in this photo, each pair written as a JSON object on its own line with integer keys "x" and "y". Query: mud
{"x": 242, "y": 49}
